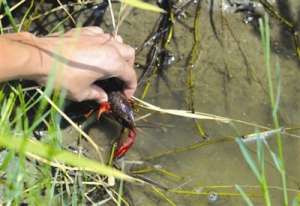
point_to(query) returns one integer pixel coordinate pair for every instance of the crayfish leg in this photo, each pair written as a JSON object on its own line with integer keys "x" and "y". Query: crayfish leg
{"x": 88, "y": 114}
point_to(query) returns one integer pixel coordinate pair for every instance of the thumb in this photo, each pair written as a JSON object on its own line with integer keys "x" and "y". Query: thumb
{"x": 97, "y": 93}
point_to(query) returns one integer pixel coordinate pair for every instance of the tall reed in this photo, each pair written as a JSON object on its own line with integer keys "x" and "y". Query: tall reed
{"x": 278, "y": 159}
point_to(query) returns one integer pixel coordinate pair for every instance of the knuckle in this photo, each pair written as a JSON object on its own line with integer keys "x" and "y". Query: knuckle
{"x": 119, "y": 38}
{"x": 131, "y": 52}
{"x": 104, "y": 38}
{"x": 27, "y": 35}
{"x": 76, "y": 96}
{"x": 95, "y": 29}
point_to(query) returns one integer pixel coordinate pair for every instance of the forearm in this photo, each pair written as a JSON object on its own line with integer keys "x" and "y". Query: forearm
{"x": 80, "y": 57}
{"x": 18, "y": 57}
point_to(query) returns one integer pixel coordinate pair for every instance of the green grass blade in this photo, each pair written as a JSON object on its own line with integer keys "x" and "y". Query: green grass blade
{"x": 275, "y": 158}
{"x": 296, "y": 201}
{"x": 62, "y": 156}
{"x": 142, "y": 5}
{"x": 121, "y": 187}
{"x": 260, "y": 154}
{"x": 278, "y": 91}
{"x": 26, "y": 15}
{"x": 278, "y": 159}
{"x": 9, "y": 15}
{"x": 248, "y": 158}
{"x": 244, "y": 195}
{"x": 163, "y": 196}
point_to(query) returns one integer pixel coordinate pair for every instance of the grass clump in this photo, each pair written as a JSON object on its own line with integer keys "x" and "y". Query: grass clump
{"x": 29, "y": 168}
{"x": 258, "y": 166}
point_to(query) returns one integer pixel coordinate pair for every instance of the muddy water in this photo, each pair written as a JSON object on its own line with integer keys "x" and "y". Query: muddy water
{"x": 230, "y": 81}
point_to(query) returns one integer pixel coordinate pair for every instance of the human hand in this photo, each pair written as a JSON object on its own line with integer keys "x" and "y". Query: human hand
{"x": 82, "y": 56}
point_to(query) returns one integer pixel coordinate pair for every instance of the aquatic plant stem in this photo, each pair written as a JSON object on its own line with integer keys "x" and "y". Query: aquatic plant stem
{"x": 187, "y": 148}
{"x": 266, "y": 47}
{"x": 297, "y": 43}
{"x": 148, "y": 83}
{"x": 265, "y": 34}
{"x": 265, "y": 189}
{"x": 194, "y": 56}
{"x": 193, "y": 192}
{"x": 163, "y": 196}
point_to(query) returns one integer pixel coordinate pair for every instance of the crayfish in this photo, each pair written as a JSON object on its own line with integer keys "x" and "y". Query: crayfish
{"x": 119, "y": 106}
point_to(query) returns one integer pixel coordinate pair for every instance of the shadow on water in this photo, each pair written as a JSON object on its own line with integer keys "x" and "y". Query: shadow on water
{"x": 286, "y": 17}
{"x": 284, "y": 8}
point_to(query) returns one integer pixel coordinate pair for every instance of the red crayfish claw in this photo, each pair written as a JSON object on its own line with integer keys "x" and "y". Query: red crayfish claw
{"x": 125, "y": 144}
{"x": 103, "y": 107}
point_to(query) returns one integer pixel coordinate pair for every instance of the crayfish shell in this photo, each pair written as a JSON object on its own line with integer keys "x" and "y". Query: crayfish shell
{"x": 121, "y": 109}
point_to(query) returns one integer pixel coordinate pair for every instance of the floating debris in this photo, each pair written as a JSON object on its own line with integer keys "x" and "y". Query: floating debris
{"x": 212, "y": 197}
{"x": 251, "y": 10}
{"x": 261, "y": 135}
{"x": 199, "y": 189}
{"x": 158, "y": 166}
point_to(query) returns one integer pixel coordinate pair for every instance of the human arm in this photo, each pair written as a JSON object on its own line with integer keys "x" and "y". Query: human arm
{"x": 81, "y": 56}
{"x": 17, "y": 59}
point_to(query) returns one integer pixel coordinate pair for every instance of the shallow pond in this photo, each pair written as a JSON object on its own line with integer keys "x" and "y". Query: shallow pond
{"x": 230, "y": 80}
